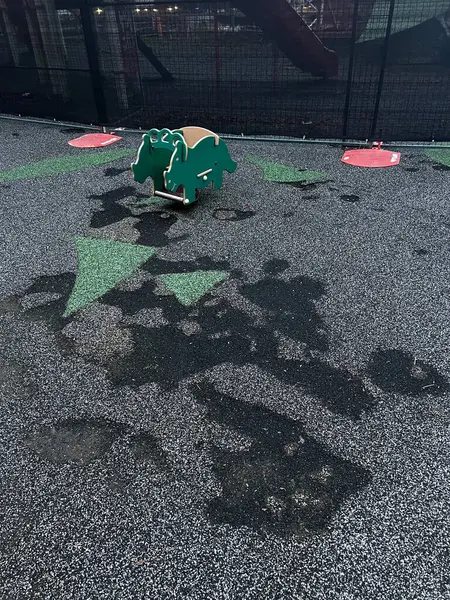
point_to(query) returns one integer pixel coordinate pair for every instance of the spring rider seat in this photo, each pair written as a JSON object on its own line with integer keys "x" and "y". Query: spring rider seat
{"x": 182, "y": 161}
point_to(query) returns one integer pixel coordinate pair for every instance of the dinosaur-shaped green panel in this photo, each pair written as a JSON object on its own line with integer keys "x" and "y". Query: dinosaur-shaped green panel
{"x": 204, "y": 165}
{"x": 154, "y": 156}
{"x": 165, "y": 157}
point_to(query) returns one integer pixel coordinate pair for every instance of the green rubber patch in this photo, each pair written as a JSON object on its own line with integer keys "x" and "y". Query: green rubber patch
{"x": 440, "y": 156}
{"x": 64, "y": 164}
{"x": 283, "y": 174}
{"x": 190, "y": 287}
{"x": 101, "y": 265}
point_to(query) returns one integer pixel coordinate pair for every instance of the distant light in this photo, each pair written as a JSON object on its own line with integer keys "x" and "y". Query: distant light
{"x": 138, "y": 10}
{"x": 170, "y": 9}
{"x": 98, "y": 11}
{"x": 155, "y": 10}
{"x": 145, "y": 9}
{"x": 176, "y": 7}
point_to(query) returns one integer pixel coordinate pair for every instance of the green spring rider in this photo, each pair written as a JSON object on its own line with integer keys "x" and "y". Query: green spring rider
{"x": 182, "y": 161}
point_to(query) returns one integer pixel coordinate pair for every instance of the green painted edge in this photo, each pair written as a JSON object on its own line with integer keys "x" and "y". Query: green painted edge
{"x": 439, "y": 155}
{"x": 279, "y": 173}
{"x": 70, "y": 163}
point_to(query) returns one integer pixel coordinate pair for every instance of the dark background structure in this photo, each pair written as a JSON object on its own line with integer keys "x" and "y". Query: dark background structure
{"x": 360, "y": 69}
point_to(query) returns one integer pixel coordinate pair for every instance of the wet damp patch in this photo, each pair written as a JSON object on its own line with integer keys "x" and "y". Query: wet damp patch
{"x": 56, "y": 288}
{"x": 275, "y": 266}
{"x": 286, "y": 482}
{"x": 292, "y": 307}
{"x": 152, "y": 226}
{"x": 229, "y": 214}
{"x": 111, "y": 210}
{"x": 166, "y": 341}
{"x": 114, "y": 172}
{"x": 441, "y": 167}
{"x": 397, "y": 371}
{"x": 350, "y": 198}
{"x": 145, "y": 447}
{"x": 305, "y": 185}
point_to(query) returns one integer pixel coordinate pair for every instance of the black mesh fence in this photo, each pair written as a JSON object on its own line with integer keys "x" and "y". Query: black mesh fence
{"x": 322, "y": 68}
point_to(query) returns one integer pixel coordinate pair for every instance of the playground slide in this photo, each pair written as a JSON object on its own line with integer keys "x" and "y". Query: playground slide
{"x": 292, "y": 35}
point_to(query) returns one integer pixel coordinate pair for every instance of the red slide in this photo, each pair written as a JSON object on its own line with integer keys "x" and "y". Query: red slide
{"x": 292, "y": 35}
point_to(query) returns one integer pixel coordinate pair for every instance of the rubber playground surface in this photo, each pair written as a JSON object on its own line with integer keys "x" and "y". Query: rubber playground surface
{"x": 246, "y": 398}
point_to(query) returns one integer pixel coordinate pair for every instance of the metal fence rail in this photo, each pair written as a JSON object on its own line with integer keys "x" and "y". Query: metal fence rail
{"x": 360, "y": 69}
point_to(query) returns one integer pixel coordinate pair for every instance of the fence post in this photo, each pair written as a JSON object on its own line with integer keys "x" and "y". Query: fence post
{"x": 92, "y": 51}
{"x": 376, "y": 109}
{"x": 351, "y": 61}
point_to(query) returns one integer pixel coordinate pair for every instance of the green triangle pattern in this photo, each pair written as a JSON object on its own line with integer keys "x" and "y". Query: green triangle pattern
{"x": 283, "y": 174}
{"x": 440, "y": 156}
{"x": 101, "y": 265}
{"x": 64, "y": 164}
{"x": 190, "y": 287}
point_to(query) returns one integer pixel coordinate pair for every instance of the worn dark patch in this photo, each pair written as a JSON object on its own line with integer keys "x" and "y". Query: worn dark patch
{"x": 441, "y": 168}
{"x": 145, "y": 447}
{"x": 75, "y": 440}
{"x": 411, "y": 169}
{"x": 15, "y": 134}
{"x": 312, "y": 197}
{"x": 420, "y": 251}
{"x": 15, "y": 379}
{"x": 398, "y": 371}
{"x": 349, "y": 198}
{"x": 286, "y": 482}
{"x": 10, "y": 305}
{"x": 72, "y": 130}
{"x": 378, "y": 209}
{"x": 232, "y": 214}
{"x": 114, "y": 171}
{"x": 288, "y": 214}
